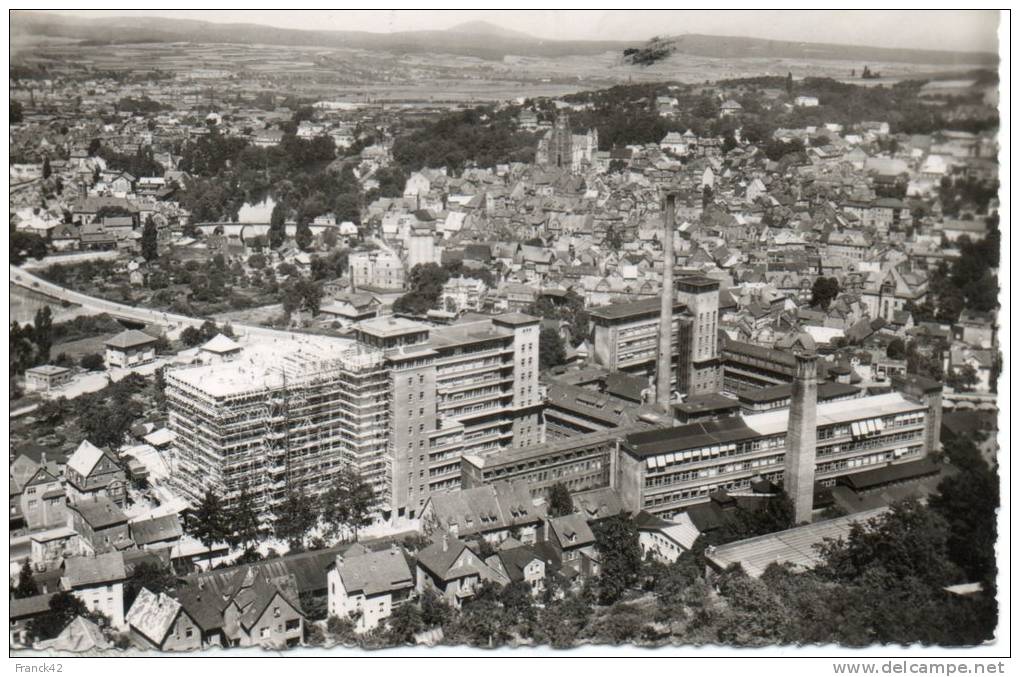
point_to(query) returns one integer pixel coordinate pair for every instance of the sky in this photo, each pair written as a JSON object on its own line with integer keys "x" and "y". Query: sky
{"x": 919, "y": 29}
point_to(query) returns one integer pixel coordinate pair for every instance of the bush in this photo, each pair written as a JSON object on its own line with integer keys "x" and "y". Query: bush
{"x": 92, "y": 362}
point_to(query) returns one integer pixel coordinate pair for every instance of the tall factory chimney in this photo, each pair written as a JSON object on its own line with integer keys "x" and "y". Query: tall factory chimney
{"x": 801, "y": 437}
{"x": 664, "y": 374}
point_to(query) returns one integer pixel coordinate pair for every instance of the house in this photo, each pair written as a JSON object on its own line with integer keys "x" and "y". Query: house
{"x": 93, "y": 472}
{"x": 665, "y": 540}
{"x": 452, "y": 570}
{"x": 492, "y": 512}
{"x": 22, "y": 611}
{"x": 81, "y": 636}
{"x": 729, "y": 108}
{"x": 220, "y": 348}
{"x": 367, "y": 586}
{"x": 156, "y": 532}
{"x": 160, "y": 623}
{"x": 573, "y": 543}
{"x": 976, "y": 328}
{"x": 521, "y": 564}
{"x": 37, "y": 491}
{"x": 262, "y": 611}
{"x": 47, "y": 377}
{"x": 130, "y": 348}
{"x": 98, "y": 581}
{"x": 805, "y": 101}
{"x": 101, "y": 526}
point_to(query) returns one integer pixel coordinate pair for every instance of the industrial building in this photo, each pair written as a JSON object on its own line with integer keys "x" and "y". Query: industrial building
{"x": 665, "y": 471}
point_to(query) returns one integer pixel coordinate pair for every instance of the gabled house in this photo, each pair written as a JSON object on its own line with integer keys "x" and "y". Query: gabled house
{"x": 160, "y": 623}
{"x": 521, "y": 564}
{"x": 573, "y": 542}
{"x": 39, "y": 493}
{"x": 452, "y": 570}
{"x": 92, "y": 472}
{"x": 367, "y": 586}
{"x": 101, "y": 526}
{"x": 262, "y": 611}
{"x": 493, "y": 512}
{"x": 98, "y": 581}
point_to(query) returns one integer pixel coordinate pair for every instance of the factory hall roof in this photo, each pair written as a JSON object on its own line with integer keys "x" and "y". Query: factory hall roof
{"x": 794, "y": 546}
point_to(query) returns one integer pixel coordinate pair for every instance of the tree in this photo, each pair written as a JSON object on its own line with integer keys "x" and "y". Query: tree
{"x": 150, "y": 250}
{"x": 303, "y": 236}
{"x": 42, "y": 334}
{"x": 613, "y": 239}
{"x": 47, "y": 171}
{"x": 191, "y": 336}
{"x": 559, "y": 500}
{"x": 962, "y": 378}
{"x": 295, "y": 517}
{"x": 208, "y": 524}
{"x": 92, "y": 362}
{"x": 156, "y": 578}
{"x": 349, "y": 503}
{"x": 64, "y": 608}
{"x": 896, "y": 350}
{"x": 108, "y": 424}
{"x": 823, "y": 291}
{"x": 277, "y": 229}
{"x": 551, "y": 352}
{"x": 243, "y": 526}
{"x": 16, "y": 112}
{"x": 26, "y": 586}
{"x": 426, "y": 282}
{"x": 616, "y": 539}
{"x": 403, "y": 624}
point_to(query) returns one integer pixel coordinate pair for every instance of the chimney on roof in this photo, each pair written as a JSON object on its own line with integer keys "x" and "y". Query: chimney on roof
{"x": 446, "y": 542}
{"x": 801, "y": 437}
{"x": 664, "y": 380}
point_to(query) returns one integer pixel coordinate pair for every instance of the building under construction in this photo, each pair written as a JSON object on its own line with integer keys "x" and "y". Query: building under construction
{"x": 401, "y": 404}
{"x": 284, "y": 415}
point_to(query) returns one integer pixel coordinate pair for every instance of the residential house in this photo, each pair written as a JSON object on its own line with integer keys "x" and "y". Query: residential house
{"x": 452, "y": 570}
{"x": 92, "y": 472}
{"x": 367, "y": 586}
{"x": 130, "y": 348}
{"x": 665, "y": 540}
{"x": 521, "y": 564}
{"x": 493, "y": 512}
{"x": 101, "y": 526}
{"x": 98, "y": 581}
{"x": 37, "y": 489}
{"x": 573, "y": 542}
{"x": 156, "y": 532}
{"x": 158, "y": 622}
{"x": 262, "y": 611}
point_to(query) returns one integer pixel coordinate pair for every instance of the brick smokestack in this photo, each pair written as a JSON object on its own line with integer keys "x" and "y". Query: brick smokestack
{"x": 801, "y": 437}
{"x": 664, "y": 372}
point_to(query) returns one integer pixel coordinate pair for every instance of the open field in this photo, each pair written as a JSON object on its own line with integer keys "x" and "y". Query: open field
{"x": 379, "y": 75}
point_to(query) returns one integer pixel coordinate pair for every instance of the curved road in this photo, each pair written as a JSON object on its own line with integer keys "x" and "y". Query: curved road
{"x": 27, "y": 280}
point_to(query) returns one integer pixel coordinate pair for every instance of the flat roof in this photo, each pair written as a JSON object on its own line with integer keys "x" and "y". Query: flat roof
{"x": 739, "y": 428}
{"x": 617, "y": 311}
{"x": 794, "y": 546}
{"x": 516, "y": 319}
{"x": 47, "y": 370}
{"x": 390, "y": 325}
{"x": 707, "y": 402}
{"x": 501, "y": 457}
{"x": 826, "y": 390}
{"x": 466, "y": 333}
{"x": 274, "y": 362}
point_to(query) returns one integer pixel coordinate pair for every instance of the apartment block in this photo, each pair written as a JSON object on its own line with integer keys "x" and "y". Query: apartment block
{"x": 377, "y": 270}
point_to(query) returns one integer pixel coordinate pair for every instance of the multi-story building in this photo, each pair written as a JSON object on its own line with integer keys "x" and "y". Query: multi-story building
{"x": 746, "y": 366}
{"x": 665, "y": 471}
{"x": 286, "y": 415}
{"x": 400, "y": 403}
{"x": 376, "y": 270}
{"x": 626, "y": 336}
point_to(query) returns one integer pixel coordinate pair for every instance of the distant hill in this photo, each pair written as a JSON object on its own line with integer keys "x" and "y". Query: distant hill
{"x": 728, "y": 47}
{"x": 476, "y": 38}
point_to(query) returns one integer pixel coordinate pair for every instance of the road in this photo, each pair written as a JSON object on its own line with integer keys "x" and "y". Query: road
{"x": 25, "y": 279}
